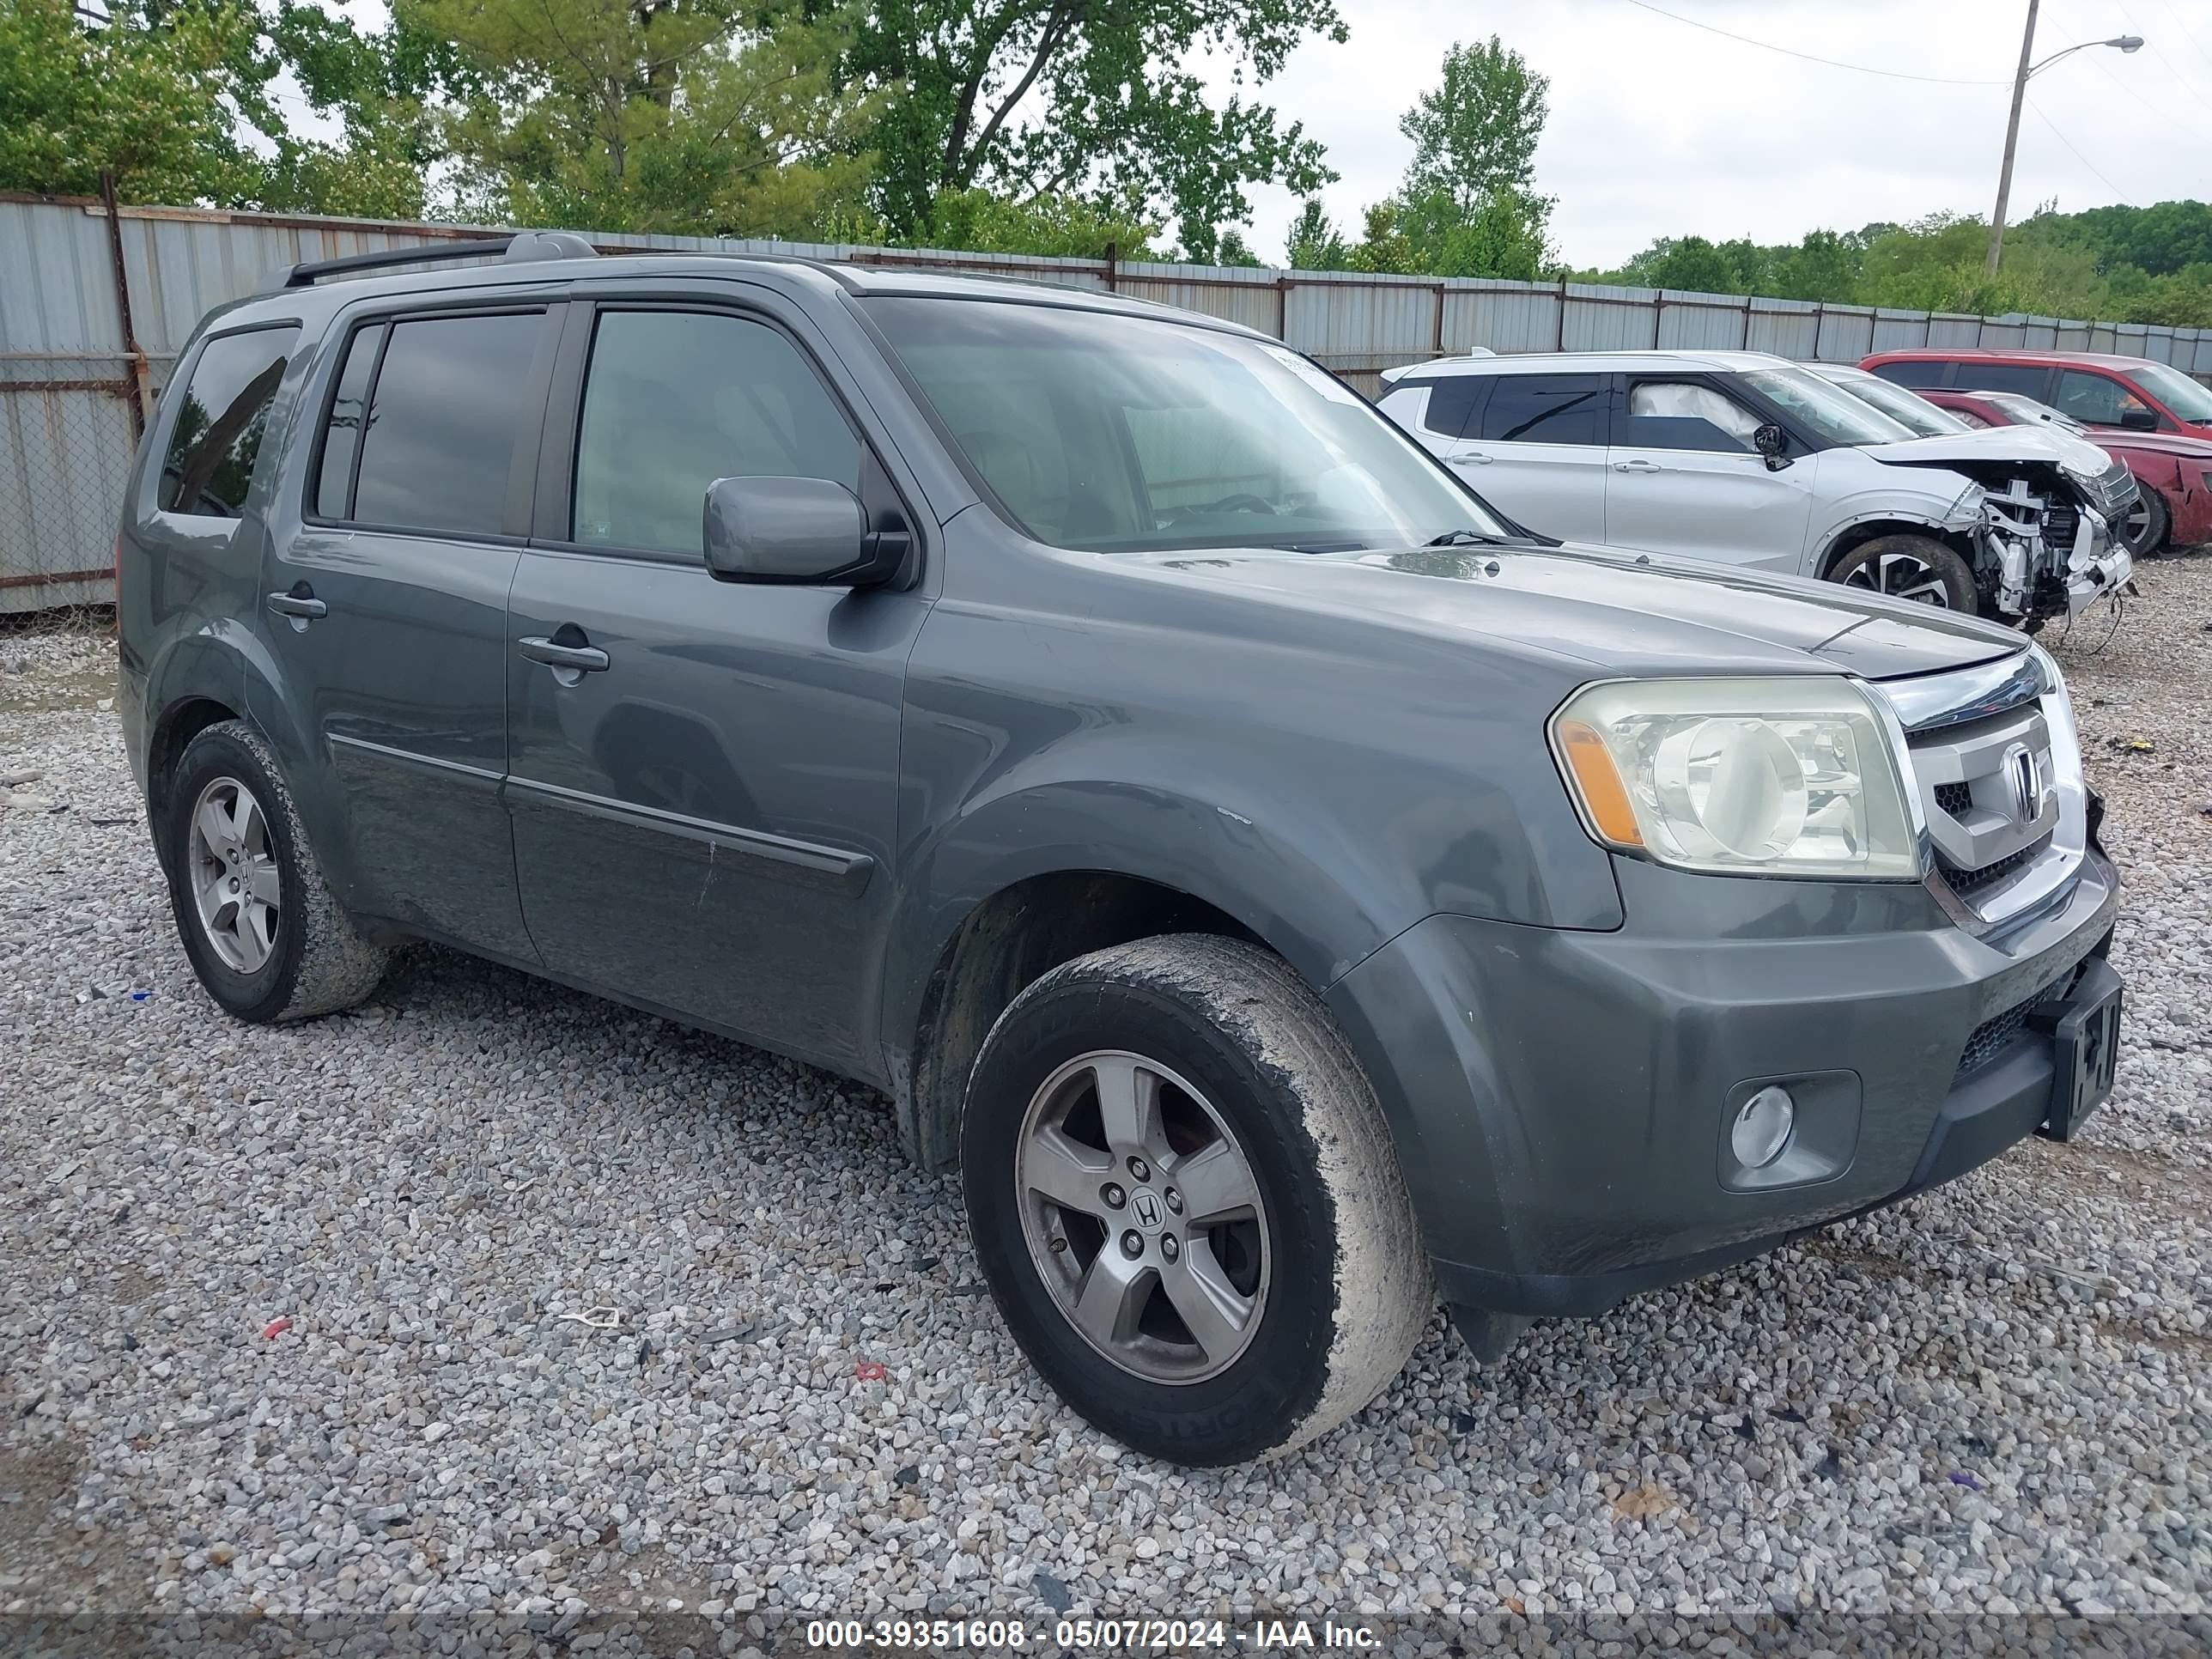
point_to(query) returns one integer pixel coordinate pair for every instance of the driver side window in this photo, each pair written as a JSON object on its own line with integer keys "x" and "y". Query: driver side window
{"x": 1681, "y": 415}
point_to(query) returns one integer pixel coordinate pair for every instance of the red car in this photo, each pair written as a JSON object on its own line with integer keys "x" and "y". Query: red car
{"x": 2094, "y": 387}
{"x": 2175, "y": 508}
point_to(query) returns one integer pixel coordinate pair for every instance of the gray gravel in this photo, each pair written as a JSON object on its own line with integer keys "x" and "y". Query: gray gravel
{"x": 1995, "y": 1399}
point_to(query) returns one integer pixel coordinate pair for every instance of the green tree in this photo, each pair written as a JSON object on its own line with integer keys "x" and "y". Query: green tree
{"x": 148, "y": 95}
{"x": 1314, "y": 243}
{"x": 1031, "y": 99}
{"x": 652, "y": 115}
{"x": 1504, "y": 235}
{"x": 1476, "y": 134}
{"x": 1055, "y": 226}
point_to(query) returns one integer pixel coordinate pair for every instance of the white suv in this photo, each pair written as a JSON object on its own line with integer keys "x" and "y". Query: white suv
{"x": 1748, "y": 458}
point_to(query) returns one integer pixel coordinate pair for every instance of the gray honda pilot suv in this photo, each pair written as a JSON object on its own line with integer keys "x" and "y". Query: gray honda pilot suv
{"x": 1290, "y": 891}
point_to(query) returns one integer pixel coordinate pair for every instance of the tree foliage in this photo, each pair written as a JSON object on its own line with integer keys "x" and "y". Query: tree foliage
{"x": 651, "y": 115}
{"x": 1475, "y": 135}
{"x": 1093, "y": 99}
{"x": 2086, "y": 265}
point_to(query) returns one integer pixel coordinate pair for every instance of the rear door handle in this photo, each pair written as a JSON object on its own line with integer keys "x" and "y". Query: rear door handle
{"x": 1637, "y": 466}
{"x": 578, "y": 659}
{"x": 1471, "y": 456}
{"x": 299, "y": 603}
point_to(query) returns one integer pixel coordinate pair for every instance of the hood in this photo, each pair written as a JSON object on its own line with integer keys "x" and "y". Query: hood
{"x": 1997, "y": 444}
{"x": 2182, "y": 447}
{"x": 1621, "y": 613}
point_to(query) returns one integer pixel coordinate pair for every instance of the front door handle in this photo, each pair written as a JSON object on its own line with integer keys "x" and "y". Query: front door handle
{"x": 1637, "y": 466}
{"x": 577, "y": 659}
{"x": 300, "y": 603}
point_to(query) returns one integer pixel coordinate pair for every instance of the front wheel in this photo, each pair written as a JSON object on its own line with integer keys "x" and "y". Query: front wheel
{"x": 1906, "y": 566}
{"x": 2144, "y": 530}
{"x": 1186, "y": 1202}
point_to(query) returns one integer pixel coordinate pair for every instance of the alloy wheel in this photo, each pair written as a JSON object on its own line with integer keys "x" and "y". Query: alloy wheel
{"x": 236, "y": 888}
{"x": 1143, "y": 1217}
{"x": 1901, "y": 576}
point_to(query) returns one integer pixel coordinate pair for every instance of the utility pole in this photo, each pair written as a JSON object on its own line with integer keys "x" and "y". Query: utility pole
{"x": 2012, "y": 140}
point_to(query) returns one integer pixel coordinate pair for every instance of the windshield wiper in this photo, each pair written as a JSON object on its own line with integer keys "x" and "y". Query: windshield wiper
{"x": 1468, "y": 538}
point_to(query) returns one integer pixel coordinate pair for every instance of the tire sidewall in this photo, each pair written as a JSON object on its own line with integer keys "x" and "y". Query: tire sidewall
{"x": 266, "y": 992}
{"x": 1955, "y": 574}
{"x": 2156, "y": 527}
{"x": 1274, "y": 1385}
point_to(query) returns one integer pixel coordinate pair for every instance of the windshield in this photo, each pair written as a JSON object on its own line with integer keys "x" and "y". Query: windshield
{"x": 1907, "y": 409}
{"x": 1827, "y": 410}
{"x": 1113, "y": 434}
{"x": 2025, "y": 409}
{"x": 2184, "y": 396}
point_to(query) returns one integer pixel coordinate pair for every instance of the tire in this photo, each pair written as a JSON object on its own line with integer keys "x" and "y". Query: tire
{"x": 1325, "y": 1262}
{"x": 2143, "y": 532}
{"x": 1915, "y": 567}
{"x": 293, "y": 960}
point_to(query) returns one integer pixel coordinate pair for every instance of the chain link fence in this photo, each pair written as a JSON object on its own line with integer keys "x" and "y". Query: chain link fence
{"x": 69, "y": 429}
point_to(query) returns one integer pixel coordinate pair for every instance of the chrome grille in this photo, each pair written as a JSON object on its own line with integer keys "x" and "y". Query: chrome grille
{"x": 1998, "y": 773}
{"x": 2114, "y": 490}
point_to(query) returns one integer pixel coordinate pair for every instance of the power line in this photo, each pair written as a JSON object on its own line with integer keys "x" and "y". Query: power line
{"x": 1768, "y": 45}
{"x": 2078, "y": 157}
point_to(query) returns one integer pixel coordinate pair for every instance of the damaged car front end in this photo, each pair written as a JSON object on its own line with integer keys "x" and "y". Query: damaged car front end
{"x": 2042, "y": 527}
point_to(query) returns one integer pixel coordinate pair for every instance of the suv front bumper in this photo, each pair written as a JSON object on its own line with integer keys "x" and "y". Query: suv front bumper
{"x": 1561, "y": 1100}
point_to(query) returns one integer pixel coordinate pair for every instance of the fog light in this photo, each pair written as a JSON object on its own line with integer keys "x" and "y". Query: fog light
{"x": 1762, "y": 1128}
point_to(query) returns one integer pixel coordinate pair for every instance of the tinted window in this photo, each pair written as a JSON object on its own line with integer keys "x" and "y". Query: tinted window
{"x": 342, "y": 434}
{"x": 1682, "y": 415}
{"x": 1914, "y": 371}
{"x": 1546, "y": 409}
{"x": 1452, "y": 401}
{"x": 674, "y": 400}
{"x": 442, "y": 422}
{"x": 2003, "y": 377}
{"x": 2097, "y": 399}
{"x": 217, "y": 435}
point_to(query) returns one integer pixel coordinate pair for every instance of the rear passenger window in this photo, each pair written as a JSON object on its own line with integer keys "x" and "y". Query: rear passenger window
{"x": 216, "y": 438}
{"x": 676, "y": 399}
{"x": 1914, "y": 372}
{"x": 1546, "y": 409}
{"x": 442, "y": 421}
{"x": 2023, "y": 378}
{"x": 342, "y": 441}
{"x": 1452, "y": 400}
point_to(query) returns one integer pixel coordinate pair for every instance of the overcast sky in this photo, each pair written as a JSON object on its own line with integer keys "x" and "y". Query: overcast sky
{"x": 1658, "y": 128}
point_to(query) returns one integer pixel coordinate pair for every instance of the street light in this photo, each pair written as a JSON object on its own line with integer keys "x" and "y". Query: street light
{"x": 2124, "y": 42}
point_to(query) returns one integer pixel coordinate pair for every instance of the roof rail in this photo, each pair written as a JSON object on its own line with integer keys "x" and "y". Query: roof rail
{"x": 524, "y": 245}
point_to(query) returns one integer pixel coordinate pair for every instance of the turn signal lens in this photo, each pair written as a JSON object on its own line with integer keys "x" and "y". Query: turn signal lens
{"x": 1599, "y": 781}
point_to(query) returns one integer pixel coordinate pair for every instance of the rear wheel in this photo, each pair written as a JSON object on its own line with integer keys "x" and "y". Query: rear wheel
{"x": 1907, "y": 566}
{"x": 1186, "y": 1202}
{"x": 259, "y": 925}
{"x": 2144, "y": 531}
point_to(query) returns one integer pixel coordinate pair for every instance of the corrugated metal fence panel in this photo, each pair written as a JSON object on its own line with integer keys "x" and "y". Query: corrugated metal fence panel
{"x": 2158, "y": 341}
{"x": 1502, "y": 316}
{"x": 1249, "y": 297}
{"x": 1690, "y": 321}
{"x": 57, "y": 280}
{"x": 1788, "y": 328}
{"x": 1948, "y": 328}
{"x": 1351, "y": 323}
{"x": 1608, "y": 318}
{"x": 2039, "y": 333}
{"x": 1846, "y": 333}
{"x": 1899, "y": 330}
{"x": 2070, "y": 335}
{"x": 64, "y": 452}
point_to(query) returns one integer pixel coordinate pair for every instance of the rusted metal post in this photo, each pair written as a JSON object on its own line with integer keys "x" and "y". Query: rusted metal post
{"x": 122, "y": 306}
{"x": 1439, "y": 351}
{"x": 1283, "y": 309}
{"x": 1113, "y": 268}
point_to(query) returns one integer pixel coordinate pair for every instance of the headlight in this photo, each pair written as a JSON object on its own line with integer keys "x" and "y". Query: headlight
{"x": 1781, "y": 777}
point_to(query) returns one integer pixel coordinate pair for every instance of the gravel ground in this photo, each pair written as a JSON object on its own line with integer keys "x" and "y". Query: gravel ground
{"x": 1995, "y": 1399}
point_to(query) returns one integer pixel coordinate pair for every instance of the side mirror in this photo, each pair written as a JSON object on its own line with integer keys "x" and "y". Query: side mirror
{"x": 1771, "y": 440}
{"x": 2139, "y": 420}
{"x": 791, "y": 531}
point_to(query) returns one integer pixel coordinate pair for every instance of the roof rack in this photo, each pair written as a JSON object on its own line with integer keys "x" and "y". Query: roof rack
{"x": 522, "y": 247}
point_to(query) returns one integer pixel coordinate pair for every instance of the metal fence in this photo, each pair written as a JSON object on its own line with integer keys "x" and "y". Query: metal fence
{"x": 95, "y": 302}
